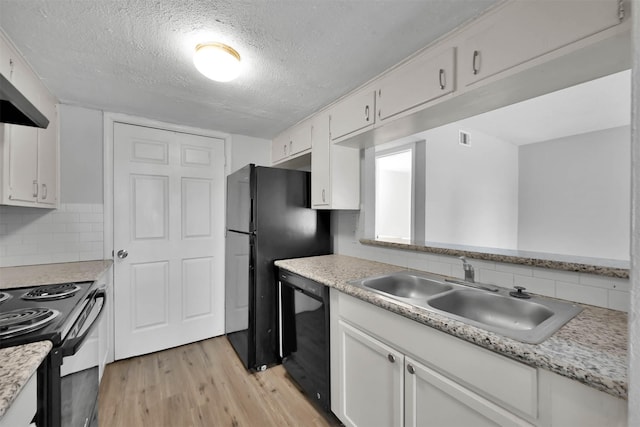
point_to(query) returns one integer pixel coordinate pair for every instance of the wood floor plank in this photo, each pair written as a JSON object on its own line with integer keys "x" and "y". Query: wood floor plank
{"x": 203, "y": 384}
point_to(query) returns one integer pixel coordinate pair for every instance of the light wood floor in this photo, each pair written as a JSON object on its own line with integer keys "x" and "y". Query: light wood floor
{"x": 204, "y": 385}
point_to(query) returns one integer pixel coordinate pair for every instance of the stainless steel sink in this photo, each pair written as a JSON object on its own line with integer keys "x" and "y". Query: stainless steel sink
{"x": 491, "y": 309}
{"x": 406, "y": 285}
{"x": 527, "y": 320}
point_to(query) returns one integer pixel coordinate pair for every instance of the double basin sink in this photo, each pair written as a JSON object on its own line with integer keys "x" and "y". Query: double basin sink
{"x": 491, "y": 308}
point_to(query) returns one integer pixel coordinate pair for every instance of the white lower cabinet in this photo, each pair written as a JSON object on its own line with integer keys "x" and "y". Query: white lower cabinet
{"x": 431, "y": 399}
{"x": 24, "y": 407}
{"x": 383, "y": 387}
{"x": 371, "y": 375}
{"x": 388, "y": 371}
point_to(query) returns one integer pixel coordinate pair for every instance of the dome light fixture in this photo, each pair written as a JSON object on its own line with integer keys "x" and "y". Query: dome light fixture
{"x": 217, "y": 61}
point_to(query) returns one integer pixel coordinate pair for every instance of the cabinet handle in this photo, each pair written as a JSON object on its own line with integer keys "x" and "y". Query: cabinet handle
{"x": 411, "y": 369}
{"x": 44, "y": 191}
{"x": 35, "y": 188}
{"x": 442, "y": 78}
{"x": 366, "y": 112}
{"x": 323, "y": 195}
{"x": 476, "y": 62}
{"x": 391, "y": 358}
{"x": 284, "y": 149}
{"x": 290, "y": 146}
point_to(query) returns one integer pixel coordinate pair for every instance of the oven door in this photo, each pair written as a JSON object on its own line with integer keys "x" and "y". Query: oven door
{"x": 80, "y": 378}
{"x": 68, "y": 380}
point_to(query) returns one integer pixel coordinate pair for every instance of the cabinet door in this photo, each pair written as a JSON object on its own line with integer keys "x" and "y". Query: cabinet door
{"x": 300, "y": 138}
{"x": 23, "y": 163}
{"x": 371, "y": 380}
{"x": 524, "y": 30}
{"x": 424, "y": 79}
{"x": 432, "y": 399}
{"x": 352, "y": 114}
{"x": 320, "y": 162}
{"x": 48, "y": 158}
{"x": 280, "y": 147}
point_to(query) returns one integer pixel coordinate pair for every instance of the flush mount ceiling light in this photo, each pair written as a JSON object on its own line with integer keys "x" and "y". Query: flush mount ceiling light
{"x": 217, "y": 61}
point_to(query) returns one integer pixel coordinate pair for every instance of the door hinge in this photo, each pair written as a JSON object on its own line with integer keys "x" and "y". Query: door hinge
{"x": 621, "y": 10}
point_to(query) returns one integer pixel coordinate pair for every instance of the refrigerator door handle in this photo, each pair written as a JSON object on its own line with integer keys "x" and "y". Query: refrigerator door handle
{"x": 251, "y": 226}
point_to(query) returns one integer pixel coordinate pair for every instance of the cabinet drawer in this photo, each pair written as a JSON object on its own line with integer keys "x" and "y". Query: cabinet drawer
{"x": 496, "y": 377}
{"x": 424, "y": 79}
{"x": 524, "y": 30}
{"x": 352, "y": 114}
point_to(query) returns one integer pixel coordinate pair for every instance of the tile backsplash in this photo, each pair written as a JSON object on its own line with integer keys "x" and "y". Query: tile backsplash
{"x": 584, "y": 288}
{"x": 74, "y": 232}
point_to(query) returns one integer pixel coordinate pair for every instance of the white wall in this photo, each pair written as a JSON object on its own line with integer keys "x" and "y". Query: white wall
{"x": 246, "y": 149}
{"x": 393, "y": 218}
{"x": 574, "y": 195}
{"x": 74, "y": 232}
{"x": 81, "y": 151}
{"x": 471, "y": 192}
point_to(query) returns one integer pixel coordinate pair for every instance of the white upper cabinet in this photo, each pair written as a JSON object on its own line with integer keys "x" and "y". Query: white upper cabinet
{"x": 335, "y": 170}
{"x": 524, "y": 30}
{"x": 300, "y": 138}
{"x": 48, "y": 157}
{"x": 28, "y": 155}
{"x": 279, "y": 147}
{"x": 353, "y": 114}
{"x": 425, "y": 78}
{"x": 291, "y": 143}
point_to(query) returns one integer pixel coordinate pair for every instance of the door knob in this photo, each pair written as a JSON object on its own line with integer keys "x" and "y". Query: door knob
{"x": 122, "y": 254}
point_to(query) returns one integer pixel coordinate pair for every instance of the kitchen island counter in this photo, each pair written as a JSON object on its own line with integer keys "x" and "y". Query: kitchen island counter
{"x": 591, "y": 348}
{"x": 47, "y": 274}
{"x": 17, "y": 365}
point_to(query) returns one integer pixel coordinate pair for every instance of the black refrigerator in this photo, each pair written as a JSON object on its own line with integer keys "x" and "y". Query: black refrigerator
{"x": 269, "y": 217}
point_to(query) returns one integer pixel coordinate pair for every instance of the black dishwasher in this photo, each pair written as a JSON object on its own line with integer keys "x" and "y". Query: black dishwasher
{"x": 304, "y": 334}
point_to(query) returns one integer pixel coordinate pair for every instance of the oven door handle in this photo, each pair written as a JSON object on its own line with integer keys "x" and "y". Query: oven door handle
{"x": 71, "y": 346}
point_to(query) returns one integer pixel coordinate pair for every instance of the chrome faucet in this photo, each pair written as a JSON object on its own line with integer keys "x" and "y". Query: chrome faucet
{"x": 468, "y": 270}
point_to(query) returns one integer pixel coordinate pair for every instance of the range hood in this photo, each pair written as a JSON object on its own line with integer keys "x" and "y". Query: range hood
{"x": 16, "y": 109}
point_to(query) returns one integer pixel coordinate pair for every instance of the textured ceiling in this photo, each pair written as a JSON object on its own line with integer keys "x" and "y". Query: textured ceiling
{"x": 135, "y": 56}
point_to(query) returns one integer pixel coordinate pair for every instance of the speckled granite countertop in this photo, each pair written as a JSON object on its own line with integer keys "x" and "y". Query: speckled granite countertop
{"x": 591, "y": 348}
{"x": 609, "y": 268}
{"x": 17, "y": 364}
{"x": 46, "y": 274}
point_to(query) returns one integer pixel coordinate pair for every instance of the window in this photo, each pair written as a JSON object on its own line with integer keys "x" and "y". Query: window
{"x": 399, "y": 192}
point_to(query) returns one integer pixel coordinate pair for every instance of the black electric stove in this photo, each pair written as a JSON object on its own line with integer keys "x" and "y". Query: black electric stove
{"x": 64, "y": 314}
{"x": 41, "y": 313}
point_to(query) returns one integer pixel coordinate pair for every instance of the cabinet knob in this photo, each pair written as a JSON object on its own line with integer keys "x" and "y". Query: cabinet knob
{"x": 476, "y": 62}
{"x": 411, "y": 369}
{"x": 391, "y": 358}
{"x": 442, "y": 79}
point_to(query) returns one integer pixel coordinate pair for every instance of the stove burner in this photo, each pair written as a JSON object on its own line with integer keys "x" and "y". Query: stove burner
{"x": 4, "y": 296}
{"x": 52, "y": 292}
{"x": 24, "y": 320}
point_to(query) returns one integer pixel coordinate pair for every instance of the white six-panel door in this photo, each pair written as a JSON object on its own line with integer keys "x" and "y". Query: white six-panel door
{"x": 169, "y": 218}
